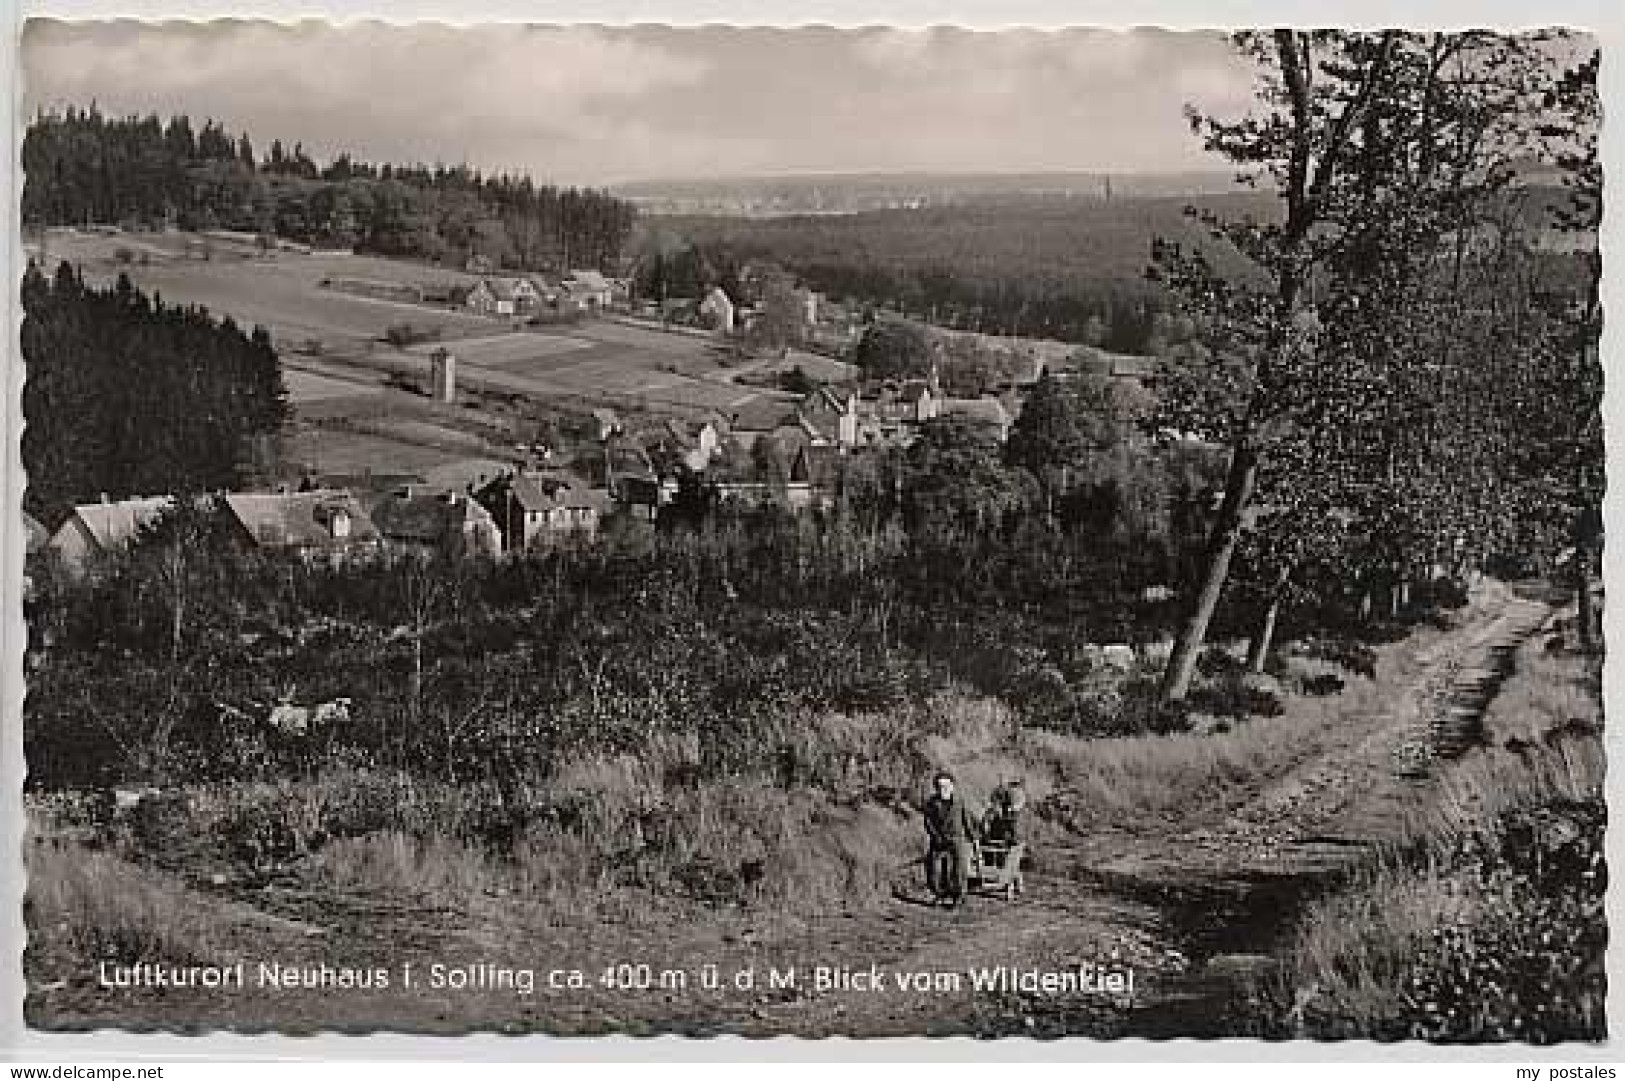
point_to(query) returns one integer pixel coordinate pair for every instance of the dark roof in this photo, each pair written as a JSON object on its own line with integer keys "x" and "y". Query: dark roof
{"x": 545, "y": 491}
{"x": 426, "y": 519}
{"x": 301, "y": 519}
{"x": 506, "y": 288}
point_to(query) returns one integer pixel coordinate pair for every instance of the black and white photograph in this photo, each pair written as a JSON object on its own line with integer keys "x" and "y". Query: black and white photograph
{"x": 589, "y": 530}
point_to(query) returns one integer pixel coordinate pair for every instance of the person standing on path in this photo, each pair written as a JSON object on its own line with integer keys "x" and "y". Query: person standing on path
{"x": 952, "y": 830}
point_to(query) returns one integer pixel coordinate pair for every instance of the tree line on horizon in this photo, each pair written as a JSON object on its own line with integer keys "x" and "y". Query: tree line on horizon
{"x": 82, "y": 167}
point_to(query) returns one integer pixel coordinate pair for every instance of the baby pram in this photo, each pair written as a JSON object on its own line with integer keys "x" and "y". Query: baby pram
{"x": 996, "y": 859}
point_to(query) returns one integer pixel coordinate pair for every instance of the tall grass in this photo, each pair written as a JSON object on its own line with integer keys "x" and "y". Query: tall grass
{"x": 1421, "y": 925}
{"x": 102, "y": 907}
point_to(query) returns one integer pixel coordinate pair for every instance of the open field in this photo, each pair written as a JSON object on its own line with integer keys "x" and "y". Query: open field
{"x": 282, "y": 292}
{"x": 308, "y": 386}
{"x": 518, "y": 351}
{"x": 596, "y": 362}
{"x": 338, "y": 369}
{"x": 334, "y": 451}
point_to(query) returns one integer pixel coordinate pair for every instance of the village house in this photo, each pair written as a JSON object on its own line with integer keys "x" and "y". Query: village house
{"x": 802, "y": 477}
{"x": 758, "y": 416}
{"x": 910, "y": 402}
{"x": 327, "y": 524}
{"x": 717, "y": 311}
{"x": 96, "y": 530}
{"x": 503, "y": 296}
{"x": 532, "y": 506}
{"x": 826, "y": 417}
{"x": 587, "y": 291}
{"x": 447, "y": 523}
{"x": 832, "y": 416}
{"x": 683, "y": 443}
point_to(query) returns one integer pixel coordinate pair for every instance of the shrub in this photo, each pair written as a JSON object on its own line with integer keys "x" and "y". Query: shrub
{"x": 1351, "y": 656}
{"x": 1320, "y": 685}
{"x": 1236, "y": 697}
{"x": 401, "y": 335}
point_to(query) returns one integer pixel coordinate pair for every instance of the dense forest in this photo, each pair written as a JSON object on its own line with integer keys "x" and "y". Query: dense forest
{"x": 83, "y": 168}
{"x": 127, "y": 396}
{"x": 1040, "y": 266}
{"x": 1072, "y": 269}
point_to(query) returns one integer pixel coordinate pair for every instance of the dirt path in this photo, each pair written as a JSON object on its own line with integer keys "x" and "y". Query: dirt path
{"x": 1195, "y": 915}
{"x": 1193, "y": 911}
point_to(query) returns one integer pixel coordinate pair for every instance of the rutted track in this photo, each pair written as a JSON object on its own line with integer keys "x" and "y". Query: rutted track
{"x": 1230, "y": 920}
{"x": 1459, "y": 725}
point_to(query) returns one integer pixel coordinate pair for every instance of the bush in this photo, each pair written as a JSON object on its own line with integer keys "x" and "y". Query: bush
{"x": 402, "y": 335}
{"x": 1321, "y": 685}
{"x": 1351, "y": 656}
{"x": 1237, "y": 698}
{"x": 1531, "y": 966}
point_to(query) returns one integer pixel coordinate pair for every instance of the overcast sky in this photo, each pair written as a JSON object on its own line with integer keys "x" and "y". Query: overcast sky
{"x": 590, "y": 105}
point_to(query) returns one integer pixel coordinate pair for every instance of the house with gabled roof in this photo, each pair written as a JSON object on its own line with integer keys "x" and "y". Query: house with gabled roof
{"x": 756, "y": 416}
{"x": 328, "y": 524}
{"x": 93, "y": 531}
{"x": 831, "y": 416}
{"x": 717, "y": 309}
{"x": 586, "y": 290}
{"x": 447, "y": 523}
{"x": 500, "y": 296}
{"x": 531, "y": 506}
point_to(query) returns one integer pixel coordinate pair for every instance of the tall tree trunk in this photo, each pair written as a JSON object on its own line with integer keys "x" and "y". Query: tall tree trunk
{"x": 1258, "y": 650}
{"x": 1308, "y": 174}
{"x": 1226, "y": 537}
{"x": 1586, "y": 610}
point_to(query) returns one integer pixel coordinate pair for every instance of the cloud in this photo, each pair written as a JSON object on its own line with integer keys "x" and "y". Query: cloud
{"x": 595, "y": 104}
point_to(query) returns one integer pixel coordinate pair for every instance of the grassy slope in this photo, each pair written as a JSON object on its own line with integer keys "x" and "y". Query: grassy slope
{"x": 1356, "y": 955}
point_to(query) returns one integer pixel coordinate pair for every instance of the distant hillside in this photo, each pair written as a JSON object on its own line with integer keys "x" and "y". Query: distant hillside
{"x": 846, "y": 193}
{"x": 1044, "y": 266}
